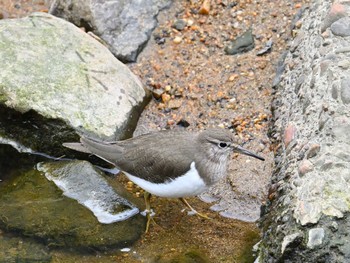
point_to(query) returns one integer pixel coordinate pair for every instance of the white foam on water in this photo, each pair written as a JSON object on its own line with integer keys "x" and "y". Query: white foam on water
{"x": 91, "y": 190}
{"x": 19, "y": 147}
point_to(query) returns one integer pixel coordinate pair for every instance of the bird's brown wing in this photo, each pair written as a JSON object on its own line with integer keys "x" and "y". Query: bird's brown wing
{"x": 156, "y": 157}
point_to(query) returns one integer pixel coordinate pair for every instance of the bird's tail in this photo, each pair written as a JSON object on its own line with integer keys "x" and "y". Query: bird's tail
{"x": 106, "y": 151}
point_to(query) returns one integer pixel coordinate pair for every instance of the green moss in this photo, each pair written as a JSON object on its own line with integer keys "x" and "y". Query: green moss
{"x": 246, "y": 254}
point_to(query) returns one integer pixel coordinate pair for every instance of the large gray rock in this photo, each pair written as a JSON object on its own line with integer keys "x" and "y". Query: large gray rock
{"x": 307, "y": 217}
{"x": 32, "y": 205}
{"x": 56, "y": 80}
{"x": 124, "y": 25}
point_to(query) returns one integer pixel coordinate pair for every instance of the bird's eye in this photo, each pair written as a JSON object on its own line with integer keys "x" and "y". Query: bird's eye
{"x": 223, "y": 144}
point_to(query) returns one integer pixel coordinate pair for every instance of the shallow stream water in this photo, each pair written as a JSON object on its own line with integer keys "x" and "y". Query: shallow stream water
{"x": 175, "y": 237}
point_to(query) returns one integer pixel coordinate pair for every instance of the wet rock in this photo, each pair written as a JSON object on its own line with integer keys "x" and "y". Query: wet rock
{"x": 14, "y": 249}
{"x": 125, "y": 26}
{"x": 54, "y": 90}
{"x": 34, "y": 206}
{"x": 243, "y": 43}
{"x": 80, "y": 181}
{"x": 341, "y": 27}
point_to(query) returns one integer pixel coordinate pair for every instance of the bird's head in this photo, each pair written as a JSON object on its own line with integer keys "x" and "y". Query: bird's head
{"x": 219, "y": 143}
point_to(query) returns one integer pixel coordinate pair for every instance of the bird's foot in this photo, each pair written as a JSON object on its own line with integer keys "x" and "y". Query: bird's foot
{"x": 183, "y": 200}
{"x": 202, "y": 215}
{"x": 149, "y": 214}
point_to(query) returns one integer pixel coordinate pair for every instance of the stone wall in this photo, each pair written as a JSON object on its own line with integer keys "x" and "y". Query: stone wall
{"x": 306, "y": 219}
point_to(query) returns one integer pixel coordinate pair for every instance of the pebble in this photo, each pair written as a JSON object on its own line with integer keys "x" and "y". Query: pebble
{"x": 289, "y": 134}
{"x": 177, "y": 40}
{"x": 167, "y": 88}
{"x": 241, "y": 44}
{"x": 175, "y": 104}
{"x": 313, "y": 150}
{"x": 336, "y": 12}
{"x": 341, "y": 27}
{"x": 205, "y": 8}
{"x": 266, "y": 49}
{"x": 344, "y": 64}
{"x": 157, "y": 93}
{"x": 316, "y": 236}
{"x": 165, "y": 97}
{"x": 180, "y": 24}
{"x": 305, "y": 167}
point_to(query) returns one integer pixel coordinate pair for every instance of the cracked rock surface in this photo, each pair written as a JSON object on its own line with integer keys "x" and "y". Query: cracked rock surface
{"x": 306, "y": 219}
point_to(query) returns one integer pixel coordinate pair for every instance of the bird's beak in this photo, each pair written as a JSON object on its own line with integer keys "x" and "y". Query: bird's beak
{"x": 241, "y": 150}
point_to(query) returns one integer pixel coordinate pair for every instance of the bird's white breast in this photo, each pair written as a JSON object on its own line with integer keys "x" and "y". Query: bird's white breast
{"x": 189, "y": 184}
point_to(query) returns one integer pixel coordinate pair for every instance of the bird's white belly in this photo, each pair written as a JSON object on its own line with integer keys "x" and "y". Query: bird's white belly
{"x": 189, "y": 184}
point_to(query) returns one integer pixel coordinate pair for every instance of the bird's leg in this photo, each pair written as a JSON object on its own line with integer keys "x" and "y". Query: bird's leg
{"x": 149, "y": 212}
{"x": 183, "y": 200}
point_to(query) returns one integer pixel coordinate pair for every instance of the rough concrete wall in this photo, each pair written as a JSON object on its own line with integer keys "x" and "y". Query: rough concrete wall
{"x": 306, "y": 219}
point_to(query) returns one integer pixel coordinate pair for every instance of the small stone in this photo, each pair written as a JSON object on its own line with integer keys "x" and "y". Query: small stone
{"x": 175, "y": 104}
{"x": 313, "y": 150}
{"x": 189, "y": 22}
{"x": 233, "y": 77}
{"x": 305, "y": 167}
{"x": 266, "y": 49}
{"x": 336, "y": 12}
{"x": 165, "y": 97}
{"x": 243, "y": 43}
{"x": 183, "y": 123}
{"x": 316, "y": 236}
{"x": 289, "y": 134}
{"x": 341, "y": 27}
{"x": 344, "y": 64}
{"x": 205, "y": 8}
{"x": 177, "y": 40}
{"x": 345, "y": 91}
{"x": 180, "y": 24}
{"x": 157, "y": 93}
